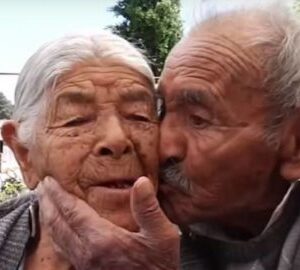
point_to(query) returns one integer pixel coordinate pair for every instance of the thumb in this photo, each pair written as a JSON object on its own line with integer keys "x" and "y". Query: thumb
{"x": 146, "y": 210}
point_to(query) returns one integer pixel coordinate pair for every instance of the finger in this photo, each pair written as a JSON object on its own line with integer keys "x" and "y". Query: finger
{"x": 76, "y": 212}
{"x": 60, "y": 197}
{"x": 69, "y": 206}
{"x": 146, "y": 209}
{"x": 83, "y": 231}
{"x": 60, "y": 231}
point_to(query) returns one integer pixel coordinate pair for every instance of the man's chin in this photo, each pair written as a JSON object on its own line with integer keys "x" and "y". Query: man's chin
{"x": 174, "y": 203}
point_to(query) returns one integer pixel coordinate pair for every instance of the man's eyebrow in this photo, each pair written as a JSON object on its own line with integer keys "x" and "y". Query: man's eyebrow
{"x": 194, "y": 97}
{"x": 137, "y": 96}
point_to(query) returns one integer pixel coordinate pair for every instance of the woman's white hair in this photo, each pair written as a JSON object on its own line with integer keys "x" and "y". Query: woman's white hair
{"x": 54, "y": 59}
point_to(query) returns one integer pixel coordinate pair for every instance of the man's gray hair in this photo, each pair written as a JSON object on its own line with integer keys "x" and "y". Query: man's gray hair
{"x": 55, "y": 58}
{"x": 278, "y": 32}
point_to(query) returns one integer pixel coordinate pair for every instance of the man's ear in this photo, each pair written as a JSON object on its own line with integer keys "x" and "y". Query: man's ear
{"x": 290, "y": 150}
{"x": 9, "y": 133}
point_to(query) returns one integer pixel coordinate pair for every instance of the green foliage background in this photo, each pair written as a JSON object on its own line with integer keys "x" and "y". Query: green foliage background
{"x": 153, "y": 26}
{"x": 5, "y": 107}
{"x": 297, "y": 6}
{"x": 11, "y": 186}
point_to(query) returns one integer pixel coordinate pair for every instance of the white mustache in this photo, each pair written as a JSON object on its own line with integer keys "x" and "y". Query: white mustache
{"x": 172, "y": 175}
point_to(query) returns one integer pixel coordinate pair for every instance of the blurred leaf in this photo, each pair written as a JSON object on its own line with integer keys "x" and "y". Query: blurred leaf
{"x": 11, "y": 186}
{"x": 153, "y": 26}
{"x": 6, "y": 107}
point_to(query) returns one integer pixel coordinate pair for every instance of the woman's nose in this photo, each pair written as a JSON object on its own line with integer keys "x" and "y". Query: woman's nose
{"x": 114, "y": 141}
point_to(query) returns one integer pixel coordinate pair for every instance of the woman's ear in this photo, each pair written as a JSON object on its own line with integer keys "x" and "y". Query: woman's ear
{"x": 9, "y": 133}
{"x": 290, "y": 151}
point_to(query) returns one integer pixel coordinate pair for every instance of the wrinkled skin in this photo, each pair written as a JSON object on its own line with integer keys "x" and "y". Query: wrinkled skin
{"x": 91, "y": 242}
{"x": 214, "y": 133}
{"x": 96, "y": 137}
{"x": 99, "y": 130}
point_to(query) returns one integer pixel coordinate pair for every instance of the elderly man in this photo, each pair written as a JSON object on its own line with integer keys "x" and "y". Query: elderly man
{"x": 85, "y": 114}
{"x": 230, "y": 141}
{"x": 229, "y": 150}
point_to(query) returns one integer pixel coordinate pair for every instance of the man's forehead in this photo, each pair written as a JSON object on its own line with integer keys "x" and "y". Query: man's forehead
{"x": 212, "y": 54}
{"x": 213, "y": 41}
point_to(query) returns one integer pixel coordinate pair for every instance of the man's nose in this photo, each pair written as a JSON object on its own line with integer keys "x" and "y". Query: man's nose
{"x": 172, "y": 142}
{"x": 114, "y": 143}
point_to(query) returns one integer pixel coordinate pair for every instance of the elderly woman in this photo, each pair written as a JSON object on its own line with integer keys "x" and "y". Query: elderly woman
{"x": 85, "y": 115}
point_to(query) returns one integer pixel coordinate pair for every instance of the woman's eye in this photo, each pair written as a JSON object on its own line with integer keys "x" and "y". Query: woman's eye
{"x": 138, "y": 117}
{"x": 77, "y": 122}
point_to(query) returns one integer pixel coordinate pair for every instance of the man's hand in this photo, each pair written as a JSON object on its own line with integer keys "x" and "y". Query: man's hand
{"x": 91, "y": 242}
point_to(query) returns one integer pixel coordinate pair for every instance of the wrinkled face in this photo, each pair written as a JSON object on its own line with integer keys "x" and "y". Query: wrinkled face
{"x": 98, "y": 135}
{"x": 216, "y": 162}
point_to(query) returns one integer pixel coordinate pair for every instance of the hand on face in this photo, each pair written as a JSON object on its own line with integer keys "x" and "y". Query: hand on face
{"x": 92, "y": 242}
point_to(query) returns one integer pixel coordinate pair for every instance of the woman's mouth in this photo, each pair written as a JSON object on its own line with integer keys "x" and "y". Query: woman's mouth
{"x": 118, "y": 184}
{"x": 115, "y": 183}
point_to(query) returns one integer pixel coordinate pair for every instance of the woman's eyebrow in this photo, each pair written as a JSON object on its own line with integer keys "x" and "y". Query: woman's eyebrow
{"x": 77, "y": 96}
{"x": 137, "y": 96}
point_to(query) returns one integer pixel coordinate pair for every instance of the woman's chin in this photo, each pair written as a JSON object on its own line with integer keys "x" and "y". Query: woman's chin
{"x": 113, "y": 205}
{"x": 121, "y": 217}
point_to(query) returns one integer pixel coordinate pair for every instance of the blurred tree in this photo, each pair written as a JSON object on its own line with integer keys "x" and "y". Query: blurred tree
{"x": 6, "y": 107}
{"x": 296, "y": 5}
{"x": 153, "y": 26}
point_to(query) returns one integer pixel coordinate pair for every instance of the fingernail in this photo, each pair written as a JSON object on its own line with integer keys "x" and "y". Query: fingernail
{"x": 47, "y": 180}
{"x": 50, "y": 184}
{"x": 144, "y": 186}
